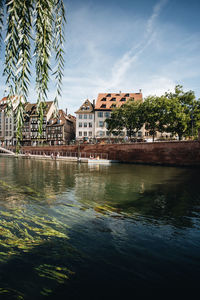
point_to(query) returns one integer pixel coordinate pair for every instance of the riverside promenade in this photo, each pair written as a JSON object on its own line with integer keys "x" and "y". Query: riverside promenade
{"x": 172, "y": 153}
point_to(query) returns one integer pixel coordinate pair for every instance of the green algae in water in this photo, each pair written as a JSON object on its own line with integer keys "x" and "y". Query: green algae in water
{"x": 55, "y": 273}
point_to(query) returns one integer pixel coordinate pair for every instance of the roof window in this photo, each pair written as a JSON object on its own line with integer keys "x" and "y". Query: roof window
{"x": 113, "y": 105}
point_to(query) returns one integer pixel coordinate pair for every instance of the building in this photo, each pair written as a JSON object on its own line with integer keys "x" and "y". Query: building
{"x": 60, "y": 130}
{"x": 106, "y": 102}
{"x": 85, "y": 122}
{"x": 90, "y": 121}
{"x": 30, "y": 131}
{"x": 7, "y": 126}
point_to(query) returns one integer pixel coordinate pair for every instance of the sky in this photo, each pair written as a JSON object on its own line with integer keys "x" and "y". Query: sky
{"x": 127, "y": 45}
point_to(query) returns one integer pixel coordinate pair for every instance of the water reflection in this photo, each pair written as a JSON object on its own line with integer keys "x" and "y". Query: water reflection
{"x": 60, "y": 220}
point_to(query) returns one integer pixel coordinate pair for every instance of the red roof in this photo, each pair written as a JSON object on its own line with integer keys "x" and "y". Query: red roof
{"x": 107, "y": 101}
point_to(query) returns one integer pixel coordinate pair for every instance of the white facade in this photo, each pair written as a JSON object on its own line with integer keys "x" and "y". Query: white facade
{"x": 85, "y": 125}
{"x": 100, "y": 124}
{"x": 85, "y": 121}
{"x": 7, "y": 129}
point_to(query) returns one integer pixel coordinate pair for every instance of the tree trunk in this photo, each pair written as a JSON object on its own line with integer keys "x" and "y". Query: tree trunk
{"x": 179, "y": 137}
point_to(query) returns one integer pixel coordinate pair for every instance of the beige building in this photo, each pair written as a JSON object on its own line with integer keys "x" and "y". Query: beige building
{"x": 85, "y": 122}
{"x": 90, "y": 121}
{"x": 106, "y": 102}
{"x": 7, "y": 128}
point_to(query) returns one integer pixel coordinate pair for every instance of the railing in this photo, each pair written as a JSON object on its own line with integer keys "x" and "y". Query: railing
{"x": 66, "y": 154}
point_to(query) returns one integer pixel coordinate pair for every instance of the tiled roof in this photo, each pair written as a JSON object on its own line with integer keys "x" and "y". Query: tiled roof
{"x": 107, "y": 101}
{"x": 86, "y": 107}
{"x": 60, "y": 120}
{"x": 31, "y": 108}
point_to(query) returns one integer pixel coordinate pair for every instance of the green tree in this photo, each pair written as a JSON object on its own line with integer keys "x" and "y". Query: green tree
{"x": 132, "y": 117}
{"x": 115, "y": 124}
{"x": 183, "y": 113}
{"x": 37, "y": 25}
{"x": 128, "y": 116}
{"x": 153, "y": 111}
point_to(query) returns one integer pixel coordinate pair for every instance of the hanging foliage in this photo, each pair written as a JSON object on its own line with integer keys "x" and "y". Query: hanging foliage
{"x": 37, "y": 24}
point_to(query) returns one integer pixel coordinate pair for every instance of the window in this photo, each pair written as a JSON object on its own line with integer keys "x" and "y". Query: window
{"x": 80, "y": 116}
{"x": 100, "y": 123}
{"x": 123, "y": 99}
{"x": 85, "y": 124}
{"x": 113, "y": 105}
{"x": 80, "y": 133}
{"x": 103, "y": 99}
{"x": 108, "y": 95}
{"x": 85, "y": 116}
{"x": 107, "y": 133}
{"x": 103, "y": 106}
{"x": 90, "y": 133}
{"x": 85, "y": 133}
{"x": 127, "y": 95}
{"x": 113, "y": 99}
{"x": 107, "y": 114}
{"x": 139, "y": 133}
{"x": 79, "y": 124}
{"x": 90, "y": 125}
{"x": 100, "y": 114}
{"x": 90, "y": 117}
{"x": 101, "y": 133}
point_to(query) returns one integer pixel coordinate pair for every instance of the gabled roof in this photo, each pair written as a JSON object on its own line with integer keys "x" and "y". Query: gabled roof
{"x": 107, "y": 101}
{"x": 60, "y": 120}
{"x": 31, "y": 108}
{"x": 5, "y": 101}
{"x": 86, "y": 107}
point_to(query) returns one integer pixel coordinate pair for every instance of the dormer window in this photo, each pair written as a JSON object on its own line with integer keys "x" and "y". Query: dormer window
{"x": 127, "y": 95}
{"x": 103, "y": 99}
{"x": 113, "y": 105}
{"x": 123, "y": 99}
{"x": 113, "y": 99}
{"x": 108, "y": 95}
{"x": 103, "y": 106}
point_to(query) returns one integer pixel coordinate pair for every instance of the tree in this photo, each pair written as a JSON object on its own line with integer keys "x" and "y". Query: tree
{"x": 115, "y": 124}
{"x": 183, "y": 112}
{"x": 132, "y": 117}
{"x": 128, "y": 116}
{"x": 37, "y": 24}
{"x": 153, "y": 112}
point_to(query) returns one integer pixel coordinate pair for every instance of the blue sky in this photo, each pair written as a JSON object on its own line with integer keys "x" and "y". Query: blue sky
{"x": 115, "y": 45}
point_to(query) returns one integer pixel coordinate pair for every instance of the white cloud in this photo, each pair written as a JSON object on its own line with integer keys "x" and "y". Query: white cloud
{"x": 126, "y": 54}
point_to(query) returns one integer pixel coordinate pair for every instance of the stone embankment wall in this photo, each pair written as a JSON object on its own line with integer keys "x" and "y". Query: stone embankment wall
{"x": 184, "y": 153}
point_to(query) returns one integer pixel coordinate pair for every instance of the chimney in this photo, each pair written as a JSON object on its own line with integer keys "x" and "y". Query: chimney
{"x": 93, "y": 102}
{"x": 120, "y": 92}
{"x": 66, "y": 111}
{"x": 140, "y": 90}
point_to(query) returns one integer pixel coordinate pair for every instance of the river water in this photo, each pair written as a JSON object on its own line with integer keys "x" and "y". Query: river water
{"x": 70, "y": 231}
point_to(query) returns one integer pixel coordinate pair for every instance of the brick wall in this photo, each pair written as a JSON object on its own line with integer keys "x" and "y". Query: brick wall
{"x": 184, "y": 153}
